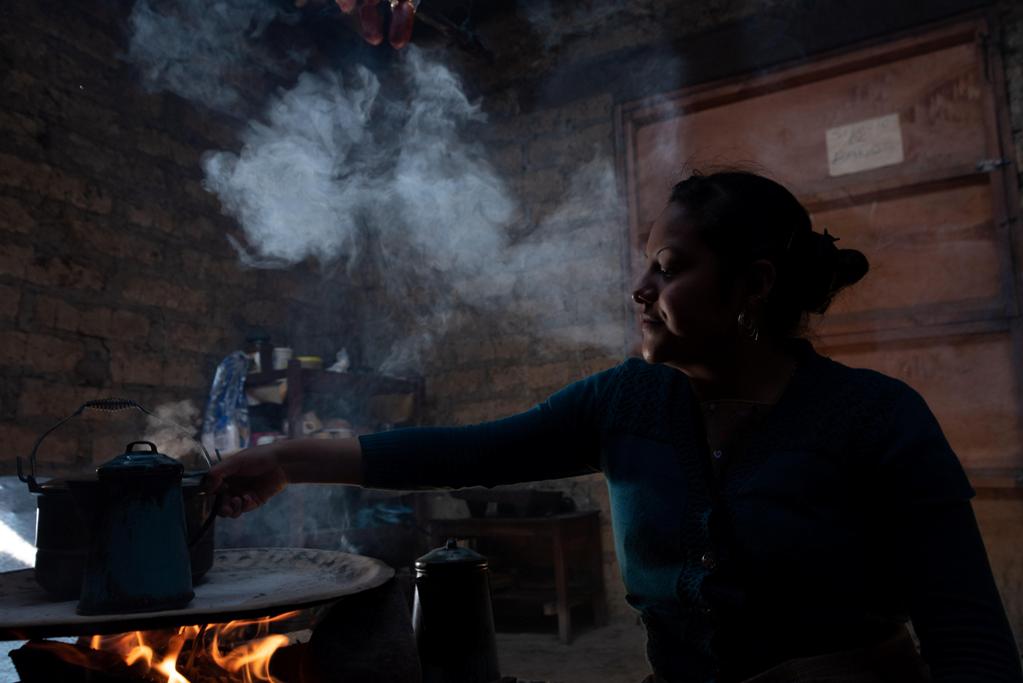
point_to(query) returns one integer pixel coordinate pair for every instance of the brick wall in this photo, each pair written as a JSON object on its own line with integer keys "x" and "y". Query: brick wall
{"x": 116, "y": 277}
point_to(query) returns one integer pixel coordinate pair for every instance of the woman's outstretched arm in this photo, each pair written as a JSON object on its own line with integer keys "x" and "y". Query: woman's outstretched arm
{"x": 251, "y": 477}
{"x": 558, "y": 438}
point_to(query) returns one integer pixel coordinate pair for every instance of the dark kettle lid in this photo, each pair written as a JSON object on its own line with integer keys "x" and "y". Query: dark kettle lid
{"x": 140, "y": 463}
{"x": 451, "y": 555}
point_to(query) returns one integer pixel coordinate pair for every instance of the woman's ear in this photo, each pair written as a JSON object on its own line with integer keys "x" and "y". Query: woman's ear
{"x": 760, "y": 279}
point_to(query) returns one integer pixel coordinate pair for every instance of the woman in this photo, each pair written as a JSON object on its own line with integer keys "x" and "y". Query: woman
{"x": 778, "y": 516}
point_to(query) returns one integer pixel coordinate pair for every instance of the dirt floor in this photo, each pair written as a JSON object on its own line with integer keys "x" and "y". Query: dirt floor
{"x": 612, "y": 654}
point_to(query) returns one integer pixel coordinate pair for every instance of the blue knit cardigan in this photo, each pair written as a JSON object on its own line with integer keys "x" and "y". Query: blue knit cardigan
{"x": 846, "y": 514}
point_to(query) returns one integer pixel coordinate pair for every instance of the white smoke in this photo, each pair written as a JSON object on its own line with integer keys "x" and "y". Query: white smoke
{"x": 391, "y": 185}
{"x": 197, "y": 48}
{"x": 296, "y": 186}
{"x": 334, "y": 159}
{"x": 172, "y": 427}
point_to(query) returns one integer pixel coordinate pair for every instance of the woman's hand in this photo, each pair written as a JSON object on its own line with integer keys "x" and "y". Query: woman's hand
{"x": 248, "y": 479}
{"x": 253, "y": 476}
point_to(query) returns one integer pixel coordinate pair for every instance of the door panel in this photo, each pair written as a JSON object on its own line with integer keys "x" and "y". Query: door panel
{"x": 925, "y": 248}
{"x": 965, "y": 383}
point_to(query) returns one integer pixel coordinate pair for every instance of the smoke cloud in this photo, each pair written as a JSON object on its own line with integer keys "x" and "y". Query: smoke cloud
{"x": 340, "y": 172}
{"x": 386, "y": 183}
{"x": 172, "y": 427}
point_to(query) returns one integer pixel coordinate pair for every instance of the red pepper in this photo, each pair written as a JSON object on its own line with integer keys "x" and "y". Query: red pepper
{"x": 403, "y": 17}
{"x": 346, "y": 6}
{"x": 371, "y": 24}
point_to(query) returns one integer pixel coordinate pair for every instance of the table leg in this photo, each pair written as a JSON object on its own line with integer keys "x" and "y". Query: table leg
{"x": 599, "y": 599}
{"x": 561, "y": 586}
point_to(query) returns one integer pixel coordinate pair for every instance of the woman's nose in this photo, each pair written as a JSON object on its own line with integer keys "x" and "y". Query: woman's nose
{"x": 643, "y": 294}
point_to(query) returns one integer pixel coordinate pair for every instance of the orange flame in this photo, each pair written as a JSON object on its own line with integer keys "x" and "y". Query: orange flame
{"x": 161, "y": 652}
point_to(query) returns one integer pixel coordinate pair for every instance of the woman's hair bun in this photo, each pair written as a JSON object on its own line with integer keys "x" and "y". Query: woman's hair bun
{"x": 850, "y": 268}
{"x": 828, "y": 270}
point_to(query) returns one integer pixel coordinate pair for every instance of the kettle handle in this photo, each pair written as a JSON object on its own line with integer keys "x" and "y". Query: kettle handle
{"x": 208, "y": 522}
{"x": 98, "y": 404}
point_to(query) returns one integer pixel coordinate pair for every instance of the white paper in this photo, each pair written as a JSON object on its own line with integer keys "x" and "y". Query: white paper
{"x": 864, "y": 145}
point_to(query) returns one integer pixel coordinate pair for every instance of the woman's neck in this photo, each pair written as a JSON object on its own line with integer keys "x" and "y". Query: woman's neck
{"x": 749, "y": 371}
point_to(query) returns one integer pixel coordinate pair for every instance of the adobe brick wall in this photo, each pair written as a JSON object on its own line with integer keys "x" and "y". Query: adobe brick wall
{"x": 116, "y": 277}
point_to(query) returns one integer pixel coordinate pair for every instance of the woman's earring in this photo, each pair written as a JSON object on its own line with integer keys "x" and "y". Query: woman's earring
{"x": 748, "y": 326}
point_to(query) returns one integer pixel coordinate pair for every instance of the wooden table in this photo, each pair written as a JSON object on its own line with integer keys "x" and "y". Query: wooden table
{"x": 569, "y": 535}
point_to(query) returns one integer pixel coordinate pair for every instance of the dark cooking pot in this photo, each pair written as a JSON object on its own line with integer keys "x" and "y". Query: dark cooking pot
{"x": 452, "y": 617}
{"x": 63, "y": 535}
{"x": 138, "y": 551}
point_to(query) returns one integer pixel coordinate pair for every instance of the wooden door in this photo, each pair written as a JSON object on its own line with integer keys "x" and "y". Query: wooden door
{"x": 898, "y": 150}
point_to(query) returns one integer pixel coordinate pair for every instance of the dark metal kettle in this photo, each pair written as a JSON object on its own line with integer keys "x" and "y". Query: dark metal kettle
{"x": 452, "y": 617}
{"x": 138, "y": 558}
{"x": 64, "y": 520}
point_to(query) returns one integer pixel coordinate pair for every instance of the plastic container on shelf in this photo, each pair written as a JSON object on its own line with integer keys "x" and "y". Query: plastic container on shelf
{"x": 225, "y": 425}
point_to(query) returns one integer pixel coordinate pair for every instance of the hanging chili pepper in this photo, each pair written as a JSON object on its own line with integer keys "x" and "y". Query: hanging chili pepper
{"x": 346, "y": 6}
{"x": 403, "y": 17}
{"x": 371, "y": 23}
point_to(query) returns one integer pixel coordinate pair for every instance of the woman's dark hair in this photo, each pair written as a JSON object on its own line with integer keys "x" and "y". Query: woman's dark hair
{"x": 744, "y": 217}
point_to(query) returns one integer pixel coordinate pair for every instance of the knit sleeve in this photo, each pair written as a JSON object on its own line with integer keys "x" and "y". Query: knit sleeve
{"x": 558, "y": 438}
{"x": 940, "y": 561}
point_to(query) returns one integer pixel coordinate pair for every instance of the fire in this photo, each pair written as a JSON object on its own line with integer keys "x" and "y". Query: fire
{"x": 191, "y": 654}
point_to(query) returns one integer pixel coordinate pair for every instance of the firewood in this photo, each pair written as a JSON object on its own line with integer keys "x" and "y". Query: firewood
{"x": 45, "y": 661}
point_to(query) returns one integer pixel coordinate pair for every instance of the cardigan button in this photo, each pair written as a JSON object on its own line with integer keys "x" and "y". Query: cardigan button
{"x": 709, "y": 560}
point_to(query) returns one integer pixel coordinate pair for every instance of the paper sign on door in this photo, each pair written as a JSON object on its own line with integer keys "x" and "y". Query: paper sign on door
{"x": 864, "y": 145}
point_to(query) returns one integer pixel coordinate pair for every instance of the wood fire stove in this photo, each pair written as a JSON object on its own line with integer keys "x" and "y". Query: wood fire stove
{"x": 289, "y": 615}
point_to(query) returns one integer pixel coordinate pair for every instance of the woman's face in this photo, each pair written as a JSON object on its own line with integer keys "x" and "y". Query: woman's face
{"x": 688, "y": 313}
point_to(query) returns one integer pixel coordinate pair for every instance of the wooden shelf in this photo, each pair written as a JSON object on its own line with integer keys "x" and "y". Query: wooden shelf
{"x": 360, "y": 385}
{"x": 323, "y": 381}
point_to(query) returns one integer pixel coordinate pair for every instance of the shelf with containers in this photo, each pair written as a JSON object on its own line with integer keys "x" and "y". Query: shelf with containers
{"x": 380, "y": 401}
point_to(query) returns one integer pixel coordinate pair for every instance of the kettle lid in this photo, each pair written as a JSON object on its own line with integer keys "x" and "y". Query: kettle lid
{"x": 451, "y": 555}
{"x": 140, "y": 463}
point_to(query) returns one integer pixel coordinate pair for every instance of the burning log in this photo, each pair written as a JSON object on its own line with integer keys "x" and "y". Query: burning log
{"x": 44, "y": 661}
{"x": 240, "y": 650}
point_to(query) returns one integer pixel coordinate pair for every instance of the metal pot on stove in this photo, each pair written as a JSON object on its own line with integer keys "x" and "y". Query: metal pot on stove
{"x": 138, "y": 550}
{"x": 66, "y": 518}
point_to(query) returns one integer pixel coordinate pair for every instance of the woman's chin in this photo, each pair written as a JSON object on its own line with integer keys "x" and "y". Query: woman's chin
{"x": 674, "y": 354}
{"x": 654, "y": 353}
